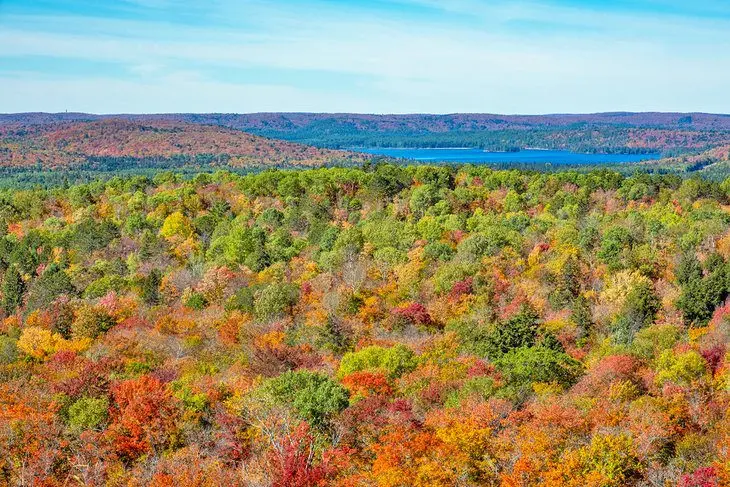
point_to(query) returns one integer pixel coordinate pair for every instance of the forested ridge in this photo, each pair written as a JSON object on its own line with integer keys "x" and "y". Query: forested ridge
{"x": 415, "y": 121}
{"x": 668, "y": 133}
{"x": 46, "y": 150}
{"x": 113, "y": 144}
{"x": 53, "y": 149}
{"x": 384, "y": 326}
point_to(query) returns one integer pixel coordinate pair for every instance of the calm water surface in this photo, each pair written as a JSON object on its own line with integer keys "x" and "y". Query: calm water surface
{"x": 525, "y": 156}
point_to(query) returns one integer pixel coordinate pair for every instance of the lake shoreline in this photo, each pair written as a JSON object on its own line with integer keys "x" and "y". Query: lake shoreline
{"x": 463, "y": 155}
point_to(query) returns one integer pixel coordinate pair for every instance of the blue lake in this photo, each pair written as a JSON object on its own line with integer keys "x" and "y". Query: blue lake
{"x": 477, "y": 156}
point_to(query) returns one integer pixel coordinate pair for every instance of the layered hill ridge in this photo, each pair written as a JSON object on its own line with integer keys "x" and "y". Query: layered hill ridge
{"x": 715, "y": 160}
{"x": 602, "y": 132}
{"x": 385, "y": 122}
{"x": 41, "y": 141}
{"x": 73, "y": 144}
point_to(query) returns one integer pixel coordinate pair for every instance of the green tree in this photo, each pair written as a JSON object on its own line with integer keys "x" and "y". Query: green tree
{"x": 242, "y": 300}
{"x": 639, "y": 311}
{"x": 8, "y": 350}
{"x": 334, "y": 336}
{"x": 519, "y": 331}
{"x": 582, "y": 317}
{"x": 313, "y": 396}
{"x": 54, "y": 282}
{"x": 567, "y": 286}
{"x": 88, "y": 413}
{"x": 90, "y": 235}
{"x": 688, "y": 270}
{"x": 275, "y": 300}
{"x": 524, "y": 366}
{"x": 389, "y": 180}
{"x": 429, "y": 228}
{"x": 247, "y": 246}
{"x": 394, "y": 361}
{"x": 422, "y": 198}
{"x": 700, "y": 296}
{"x": 614, "y": 246}
{"x": 272, "y": 218}
{"x": 149, "y": 287}
{"x": 13, "y": 289}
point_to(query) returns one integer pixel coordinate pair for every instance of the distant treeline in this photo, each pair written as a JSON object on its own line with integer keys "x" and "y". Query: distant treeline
{"x": 106, "y": 168}
{"x": 338, "y": 136}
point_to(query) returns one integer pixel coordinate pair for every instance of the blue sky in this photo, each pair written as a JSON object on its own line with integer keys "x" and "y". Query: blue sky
{"x": 376, "y": 56}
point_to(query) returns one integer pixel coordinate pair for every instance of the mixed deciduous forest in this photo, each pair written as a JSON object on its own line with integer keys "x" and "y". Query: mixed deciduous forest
{"x": 384, "y": 326}
{"x": 115, "y": 144}
{"x": 86, "y": 147}
{"x": 668, "y": 133}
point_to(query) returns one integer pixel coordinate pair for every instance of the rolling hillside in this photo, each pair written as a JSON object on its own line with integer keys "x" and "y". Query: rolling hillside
{"x": 423, "y": 122}
{"x": 670, "y": 133}
{"x": 36, "y": 142}
{"x": 113, "y": 143}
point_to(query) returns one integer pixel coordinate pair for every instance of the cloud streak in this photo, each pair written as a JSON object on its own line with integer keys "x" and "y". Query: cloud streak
{"x": 454, "y": 55}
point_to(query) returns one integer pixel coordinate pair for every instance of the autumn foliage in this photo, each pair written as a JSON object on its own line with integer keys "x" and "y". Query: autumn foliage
{"x": 384, "y": 326}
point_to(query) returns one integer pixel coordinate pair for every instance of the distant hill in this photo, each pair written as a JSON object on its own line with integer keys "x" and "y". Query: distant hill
{"x": 415, "y": 122}
{"x": 713, "y": 163}
{"x": 111, "y": 143}
{"x": 669, "y": 133}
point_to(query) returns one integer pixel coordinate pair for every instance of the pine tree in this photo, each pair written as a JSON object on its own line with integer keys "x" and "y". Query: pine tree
{"x": 567, "y": 287}
{"x": 13, "y": 289}
{"x": 581, "y": 316}
{"x": 150, "y": 287}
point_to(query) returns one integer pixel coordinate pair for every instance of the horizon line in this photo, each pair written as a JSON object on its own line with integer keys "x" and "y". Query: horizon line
{"x": 383, "y": 114}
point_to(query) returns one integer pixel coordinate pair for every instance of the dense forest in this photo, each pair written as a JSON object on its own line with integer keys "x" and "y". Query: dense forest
{"x": 579, "y": 139}
{"x": 382, "y": 326}
{"x": 57, "y": 150}
{"x": 667, "y": 133}
{"x": 115, "y": 144}
{"x": 410, "y": 122}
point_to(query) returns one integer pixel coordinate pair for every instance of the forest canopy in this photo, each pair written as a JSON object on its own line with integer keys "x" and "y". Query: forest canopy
{"x": 388, "y": 325}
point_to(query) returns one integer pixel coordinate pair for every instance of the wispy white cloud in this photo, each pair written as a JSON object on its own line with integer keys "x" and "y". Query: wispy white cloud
{"x": 493, "y": 62}
{"x": 175, "y": 92}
